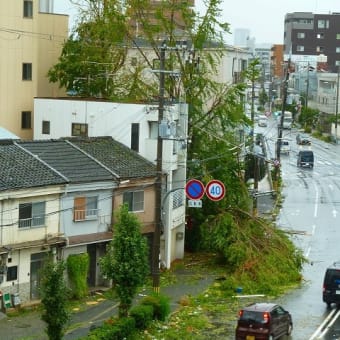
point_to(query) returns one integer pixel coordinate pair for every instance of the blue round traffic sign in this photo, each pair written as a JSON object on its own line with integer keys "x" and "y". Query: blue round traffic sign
{"x": 194, "y": 189}
{"x": 215, "y": 190}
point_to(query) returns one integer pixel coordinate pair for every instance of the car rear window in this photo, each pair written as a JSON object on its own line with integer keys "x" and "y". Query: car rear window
{"x": 333, "y": 276}
{"x": 252, "y": 316}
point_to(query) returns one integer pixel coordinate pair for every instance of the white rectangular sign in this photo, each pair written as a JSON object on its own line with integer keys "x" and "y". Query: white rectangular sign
{"x": 195, "y": 203}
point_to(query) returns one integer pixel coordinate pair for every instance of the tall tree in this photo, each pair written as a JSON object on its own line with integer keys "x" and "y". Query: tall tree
{"x": 54, "y": 299}
{"x": 126, "y": 260}
{"x": 216, "y": 113}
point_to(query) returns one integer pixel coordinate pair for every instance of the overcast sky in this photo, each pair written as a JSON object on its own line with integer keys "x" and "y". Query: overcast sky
{"x": 264, "y": 18}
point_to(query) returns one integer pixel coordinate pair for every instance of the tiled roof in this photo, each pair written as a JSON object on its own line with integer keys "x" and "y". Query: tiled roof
{"x": 71, "y": 162}
{"x": 19, "y": 169}
{"x": 25, "y": 164}
{"x": 123, "y": 161}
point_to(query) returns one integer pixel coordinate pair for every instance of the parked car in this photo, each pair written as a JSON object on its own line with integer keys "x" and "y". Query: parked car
{"x": 302, "y": 139}
{"x": 262, "y": 122}
{"x": 285, "y": 147}
{"x": 263, "y": 321}
{"x": 331, "y": 284}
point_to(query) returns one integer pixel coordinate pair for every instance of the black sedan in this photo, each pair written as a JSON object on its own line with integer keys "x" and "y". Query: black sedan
{"x": 302, "y": 139}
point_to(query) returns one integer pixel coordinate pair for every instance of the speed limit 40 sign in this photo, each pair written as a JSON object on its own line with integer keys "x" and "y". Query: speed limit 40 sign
{"x": 215, "y": 190}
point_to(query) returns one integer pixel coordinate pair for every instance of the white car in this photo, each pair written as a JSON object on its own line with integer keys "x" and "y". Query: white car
{"x": 262, "y": 122}
{"x": 285, "y": 147}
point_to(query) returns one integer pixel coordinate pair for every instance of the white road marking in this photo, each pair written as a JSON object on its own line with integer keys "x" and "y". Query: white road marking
{"x": 316, "y": 200}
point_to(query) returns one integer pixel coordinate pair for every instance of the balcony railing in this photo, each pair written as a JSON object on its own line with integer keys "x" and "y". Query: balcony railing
{"x": 32, "y": 222}
{"x": 84, "y": 215}
{"x": 177, "y": 199}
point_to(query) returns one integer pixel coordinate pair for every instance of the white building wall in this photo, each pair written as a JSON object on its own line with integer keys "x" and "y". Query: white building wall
{"x": 103, "y": 119}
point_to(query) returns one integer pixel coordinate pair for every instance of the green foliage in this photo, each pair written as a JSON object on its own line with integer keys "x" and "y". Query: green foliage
{"x": 142, "y": 314}
{"x": 126, "y": 260}
{"x": 263, "y": 97}
{"x": 254, "y": 250}
{"x": 77, "y": 269}
{"x": 308, "y": 117}
{"x": 114, "y": 329}
{"x": 160, "y": 304}
{"x": 54, "y": 295}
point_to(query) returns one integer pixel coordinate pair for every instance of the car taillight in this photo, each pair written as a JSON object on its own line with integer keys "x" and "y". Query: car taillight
{"x": 240, "y": 313}
{"x": 266, "y": 317}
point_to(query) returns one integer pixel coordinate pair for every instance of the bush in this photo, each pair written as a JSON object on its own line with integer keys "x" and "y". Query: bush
{"x": 114, "y": 329}
{"x": 77, "y": 269}
{"x": 143, "y": 315}
{"x": 160, "y": 304}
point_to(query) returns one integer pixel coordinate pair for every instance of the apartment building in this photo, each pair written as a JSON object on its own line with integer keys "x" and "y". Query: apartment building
{"x": 31, "y": 42}
{"x": 309, "y": 34}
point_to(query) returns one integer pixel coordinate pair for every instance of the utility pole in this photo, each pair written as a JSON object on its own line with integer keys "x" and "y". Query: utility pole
{"x": 158, "y": 213}
{"x": 337, "y": 107}
{"x": 307, "y": 86}
{"x": 285, "y": 93}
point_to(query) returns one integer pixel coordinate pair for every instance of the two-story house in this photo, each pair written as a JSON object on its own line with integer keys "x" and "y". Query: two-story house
{"x": 30, "y": 193}
{"x": 64, "y": 202}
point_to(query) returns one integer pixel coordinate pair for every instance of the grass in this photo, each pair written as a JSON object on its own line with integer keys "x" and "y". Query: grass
{"x": 212, "y": 313}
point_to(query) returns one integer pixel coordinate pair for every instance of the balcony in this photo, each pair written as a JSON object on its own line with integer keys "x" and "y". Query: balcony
{"x": 37, "y": 221}
{"x": 85, "y": 215}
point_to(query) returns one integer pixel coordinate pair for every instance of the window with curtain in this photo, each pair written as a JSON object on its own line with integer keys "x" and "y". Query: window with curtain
{"x": 85, "y": 208}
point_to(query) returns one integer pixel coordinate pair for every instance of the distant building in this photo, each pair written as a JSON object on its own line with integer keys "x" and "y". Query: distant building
{"x": 241, "y": 37}
{"x": 309, "y": 34}
{"x": 149, "y": 16}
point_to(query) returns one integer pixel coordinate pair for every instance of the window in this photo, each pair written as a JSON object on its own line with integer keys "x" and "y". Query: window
{"x": 26, "y": 119}
{"x": 337, "y": 63}
{"x": 153, "y": 130}
{"x": 134, "y": 199}
{"x": 135, "y": 136}
{"x": 338, "y": 36}
{"x": 320, "y": 49}
{"x": 337, "y": 49}
{"x": 300, "y": 48}
{"x": 301, "y": 35}
{"x": 79, "y": 129}
{"x": 31, "y": 214}
{"x": 320, "y": 36}
{"x": 45, "y": 127}
{"x": 85, "y": 208}
{"x": 12, "y": 273}
{"x": 323, "y": 23}
{"x": 28, "y": 8}
{"x": 27, "y": 71}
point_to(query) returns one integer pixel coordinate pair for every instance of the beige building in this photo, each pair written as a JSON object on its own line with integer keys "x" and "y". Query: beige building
{"x": 31, "y": 42}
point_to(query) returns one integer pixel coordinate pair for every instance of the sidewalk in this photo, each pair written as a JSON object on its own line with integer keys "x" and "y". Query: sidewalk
{"x": 30, "y": 326}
